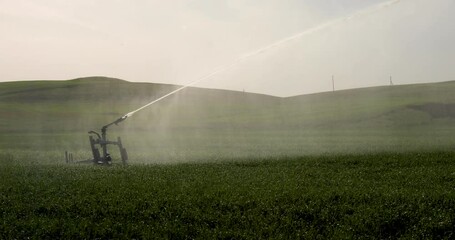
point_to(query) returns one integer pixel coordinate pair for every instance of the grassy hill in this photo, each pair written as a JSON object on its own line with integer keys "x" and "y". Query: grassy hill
{"x": 77, "y": 104}
{"x": 206, "y": 124}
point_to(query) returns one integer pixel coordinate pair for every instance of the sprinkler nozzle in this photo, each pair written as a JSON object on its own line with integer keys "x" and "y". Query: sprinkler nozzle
{"x": 120, "y": 119}
{"x": 116, "y": 122}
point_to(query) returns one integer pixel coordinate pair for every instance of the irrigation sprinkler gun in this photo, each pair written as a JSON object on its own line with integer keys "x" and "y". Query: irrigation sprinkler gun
{"x": 101, "y": 140}
{"x": 98, "y": 142}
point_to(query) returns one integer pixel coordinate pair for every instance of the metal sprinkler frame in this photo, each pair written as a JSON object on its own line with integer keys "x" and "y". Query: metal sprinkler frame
{"x": 101, "y": 140}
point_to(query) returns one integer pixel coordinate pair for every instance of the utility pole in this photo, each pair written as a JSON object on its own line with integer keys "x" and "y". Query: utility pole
{"x": 333, "y": 83}
{"x": 391, "y": 83}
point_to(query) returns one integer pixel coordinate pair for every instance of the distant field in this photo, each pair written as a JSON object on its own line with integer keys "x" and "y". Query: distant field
{"x": 199, "y": 124}
{"x": 381, "y": 196}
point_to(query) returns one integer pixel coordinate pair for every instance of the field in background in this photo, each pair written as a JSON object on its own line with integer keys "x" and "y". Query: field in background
{"x": 50, "y": 117}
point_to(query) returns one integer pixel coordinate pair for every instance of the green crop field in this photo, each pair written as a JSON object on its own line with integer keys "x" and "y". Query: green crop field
{"x": 407, "y": 196}
{"x": 363, "y": 163}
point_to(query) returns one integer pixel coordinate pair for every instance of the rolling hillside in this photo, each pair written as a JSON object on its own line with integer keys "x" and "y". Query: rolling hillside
{"x": 74, "y": 105}
{"x": 205, "y": 123}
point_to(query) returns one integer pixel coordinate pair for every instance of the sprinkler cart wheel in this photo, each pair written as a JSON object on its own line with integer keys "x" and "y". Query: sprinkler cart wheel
{"x": 97, "y": 142}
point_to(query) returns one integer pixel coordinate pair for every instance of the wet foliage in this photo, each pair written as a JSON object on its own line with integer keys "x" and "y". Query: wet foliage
{"x": 407, "y": 195}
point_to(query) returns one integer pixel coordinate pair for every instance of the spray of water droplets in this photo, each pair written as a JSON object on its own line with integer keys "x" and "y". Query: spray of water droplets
{"x": 281, "y": 42}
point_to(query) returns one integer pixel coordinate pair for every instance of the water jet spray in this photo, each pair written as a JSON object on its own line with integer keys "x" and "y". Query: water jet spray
{"x": 269, "y": 47}
{"x": 102, "y": 140}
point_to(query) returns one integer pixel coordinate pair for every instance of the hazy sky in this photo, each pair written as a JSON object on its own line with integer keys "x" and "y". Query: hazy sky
{"x": 178, "y": 41}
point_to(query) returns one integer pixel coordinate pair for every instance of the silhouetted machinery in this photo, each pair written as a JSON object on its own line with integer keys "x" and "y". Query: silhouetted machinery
{"x": 98, "y": 142}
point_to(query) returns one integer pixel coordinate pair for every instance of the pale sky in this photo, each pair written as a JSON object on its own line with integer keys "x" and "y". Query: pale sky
{"x": 179, "y": 41}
